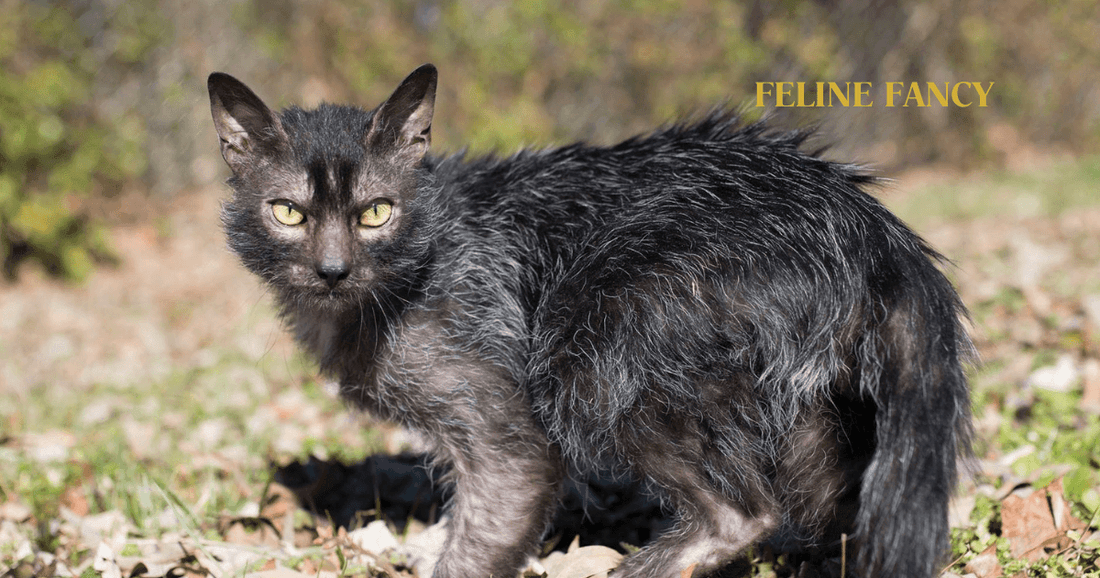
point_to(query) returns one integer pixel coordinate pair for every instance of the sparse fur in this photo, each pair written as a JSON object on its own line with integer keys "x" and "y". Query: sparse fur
{"x": 707, "y": 308}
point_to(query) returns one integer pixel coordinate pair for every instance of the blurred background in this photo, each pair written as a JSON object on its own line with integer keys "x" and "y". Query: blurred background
{"x": 105, "y": 99}
{"x": 149, "y": 396}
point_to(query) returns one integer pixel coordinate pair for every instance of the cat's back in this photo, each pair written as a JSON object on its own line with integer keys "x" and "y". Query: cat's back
{"x": 708, "y": 192}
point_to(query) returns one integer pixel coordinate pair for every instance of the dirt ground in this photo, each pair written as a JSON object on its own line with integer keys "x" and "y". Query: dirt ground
{"x": 176, "y": 296}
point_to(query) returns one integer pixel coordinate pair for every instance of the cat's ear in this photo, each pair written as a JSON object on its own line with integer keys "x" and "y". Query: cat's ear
{"x": 404, "y": 122}
{"x": 246, "y": 126}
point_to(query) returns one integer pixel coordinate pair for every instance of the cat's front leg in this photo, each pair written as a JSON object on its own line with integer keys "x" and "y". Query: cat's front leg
{"x": 504, "y": 472}
{"x": 504, "y": 494}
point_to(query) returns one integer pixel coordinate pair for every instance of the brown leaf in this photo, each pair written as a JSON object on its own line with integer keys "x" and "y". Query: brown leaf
{"x": 324, "y": 534}
{"x": 1037, "y": 522}
{"x": 1027, "y": 523}
{"x": 308, "y": 567}
{"x": 1064, "y": 520}
{"x": 304, "y": 538}
{"x": 277, "y": 502}
{"x": 74, "y": 499}
{"x": 249, "y": 531}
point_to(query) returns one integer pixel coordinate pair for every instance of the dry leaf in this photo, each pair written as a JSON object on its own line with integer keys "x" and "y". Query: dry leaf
{"x": 74, "y": 499}
{"x": 278, "y": 500}
{"x": 1090, "y": 370}
{"x": 985, "y": 565}
{"x": 1038, "y": 521}
{"x": 1064, "y": 519}
{"x": 250, "y": 532}
{"x": 1027, "y": 523}
{"x": 375, "y": 537}
{"x": 105, "y": 562}
{"x": 586, "y": 562}
{"x": 279, "y": 572}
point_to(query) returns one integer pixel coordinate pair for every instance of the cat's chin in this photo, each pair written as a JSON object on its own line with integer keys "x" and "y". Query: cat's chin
{"x": 320, "y": 301}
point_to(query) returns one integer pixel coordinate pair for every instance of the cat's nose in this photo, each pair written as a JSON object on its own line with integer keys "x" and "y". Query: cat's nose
{"x": 333, "y": 271}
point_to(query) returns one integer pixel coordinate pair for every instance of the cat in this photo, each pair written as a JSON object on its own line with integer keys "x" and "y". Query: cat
{"x": 706, "y": 308}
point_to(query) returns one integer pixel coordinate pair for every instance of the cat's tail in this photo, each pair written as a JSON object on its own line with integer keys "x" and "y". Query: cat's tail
{"x": 912, "y": 366}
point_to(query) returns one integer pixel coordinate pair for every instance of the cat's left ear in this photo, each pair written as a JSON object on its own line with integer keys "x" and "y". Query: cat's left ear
{"x": 403, "y": 123}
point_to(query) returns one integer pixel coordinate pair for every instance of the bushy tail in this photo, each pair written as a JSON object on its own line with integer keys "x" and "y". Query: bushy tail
{"x": 913, "y": 368}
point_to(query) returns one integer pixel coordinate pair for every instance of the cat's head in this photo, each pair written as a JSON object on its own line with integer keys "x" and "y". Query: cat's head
{"x": 327, "y": 204}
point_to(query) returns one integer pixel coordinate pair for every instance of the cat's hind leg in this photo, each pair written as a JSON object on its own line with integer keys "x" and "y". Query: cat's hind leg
{"x": 710, "y": 531}
{"x": 710, "y": 474}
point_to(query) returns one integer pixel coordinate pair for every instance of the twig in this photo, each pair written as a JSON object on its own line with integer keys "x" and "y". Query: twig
{"x": 843, "y": 554}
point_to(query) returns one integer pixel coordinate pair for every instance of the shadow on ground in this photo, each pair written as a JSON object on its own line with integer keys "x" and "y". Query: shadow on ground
{"x": 400, "y": 488}
{"x": 596, "y": 509}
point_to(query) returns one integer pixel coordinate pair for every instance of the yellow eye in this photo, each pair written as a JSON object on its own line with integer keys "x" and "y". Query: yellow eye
{"x": 287, "y": 213}
{"x": 376, "y": 215}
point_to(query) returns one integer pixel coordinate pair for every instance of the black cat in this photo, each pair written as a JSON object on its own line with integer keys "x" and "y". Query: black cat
{"x": 706, "y": 308}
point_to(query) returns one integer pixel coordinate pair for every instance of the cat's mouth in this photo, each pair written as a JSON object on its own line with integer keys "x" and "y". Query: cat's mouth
{"x": 338, "y": 294}
{"x": 339, "y": 297}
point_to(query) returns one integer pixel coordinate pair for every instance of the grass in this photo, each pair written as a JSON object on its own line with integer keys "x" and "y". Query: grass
{"x": 1046, "y": 192}
{"x": 169, "y": 454}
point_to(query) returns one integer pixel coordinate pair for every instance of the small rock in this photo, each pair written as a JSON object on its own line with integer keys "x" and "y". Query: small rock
{"x": 1040, "y": 301}
{"x": 1026, "y": 330}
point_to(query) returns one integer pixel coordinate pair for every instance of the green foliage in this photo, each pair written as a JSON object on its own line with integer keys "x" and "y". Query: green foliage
{"x": 1065, "y": 186}
{"x": 55, "y": 153}
{"x": 518, "y": 73}
{"x": 42, "y": 485}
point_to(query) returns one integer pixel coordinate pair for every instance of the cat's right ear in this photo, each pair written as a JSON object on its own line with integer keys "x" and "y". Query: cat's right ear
{"x": 246, "y": 126}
